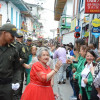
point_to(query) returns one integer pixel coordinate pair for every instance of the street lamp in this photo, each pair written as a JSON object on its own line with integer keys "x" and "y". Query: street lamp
{"x": 8, "y": 21}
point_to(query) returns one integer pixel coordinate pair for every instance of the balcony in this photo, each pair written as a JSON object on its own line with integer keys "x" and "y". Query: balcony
{"x": 58, "y": 8}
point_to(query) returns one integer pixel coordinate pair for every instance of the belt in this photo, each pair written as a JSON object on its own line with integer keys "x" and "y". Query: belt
{"x": 40, "y": 85}
{"x": 5, "y": 81}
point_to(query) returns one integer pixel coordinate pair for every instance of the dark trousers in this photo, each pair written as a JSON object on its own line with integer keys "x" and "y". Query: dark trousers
{"x": 84, "y": 95}
{"x": 76, "y": 88}
{"x": 71, "y": 82}
{"x": 17, "y": 94}
{"x": 94, "y": 93}
{"x": 6, "y": 92}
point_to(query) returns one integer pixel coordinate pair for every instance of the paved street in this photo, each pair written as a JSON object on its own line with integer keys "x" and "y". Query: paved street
{"x": 63, "y": 90}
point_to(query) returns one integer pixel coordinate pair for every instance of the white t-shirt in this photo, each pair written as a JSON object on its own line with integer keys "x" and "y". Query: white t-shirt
{"x": 85, "y": 73}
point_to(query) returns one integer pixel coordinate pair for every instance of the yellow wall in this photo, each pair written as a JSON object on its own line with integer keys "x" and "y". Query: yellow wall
{"x": 73, "y": 24}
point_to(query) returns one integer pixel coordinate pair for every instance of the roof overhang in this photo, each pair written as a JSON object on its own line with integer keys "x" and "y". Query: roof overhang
{"x": 19, "y": 4}
{"x": 58, "y": 8}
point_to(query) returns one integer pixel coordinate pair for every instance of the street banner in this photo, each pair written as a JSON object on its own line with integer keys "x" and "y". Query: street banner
{"x": 92, "y": 6}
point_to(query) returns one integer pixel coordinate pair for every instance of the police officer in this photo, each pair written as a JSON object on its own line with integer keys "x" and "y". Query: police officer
{"x": 29, "y": 44}
{"x": 23, "y": 59}
{"x": 9, "y": 62}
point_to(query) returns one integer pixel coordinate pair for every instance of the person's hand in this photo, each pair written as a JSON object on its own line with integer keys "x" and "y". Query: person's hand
{"x": 85, "y": 80}
{"x": 56, "y": 96}
{"x": 52, "y": 82}
{"x": 80, "y": 96}
{"x": 15, "y": 86}
{"x": 58, "y": 65}
{"x": 98, "y": 59}
{"x": 73, "y": 77}
{"x": 69, "y": 61}
{"x": 20, "y": 59}
{"x": 73, "y": 70}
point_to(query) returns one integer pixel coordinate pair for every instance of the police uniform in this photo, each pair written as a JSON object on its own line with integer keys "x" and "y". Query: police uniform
{"x": 9, "y": 65}
{"x": 29, "y": 46}
{"x": 22, "y": 55}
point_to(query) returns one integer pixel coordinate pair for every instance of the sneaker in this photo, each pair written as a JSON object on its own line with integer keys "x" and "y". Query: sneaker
{"x": 73, "y": 98}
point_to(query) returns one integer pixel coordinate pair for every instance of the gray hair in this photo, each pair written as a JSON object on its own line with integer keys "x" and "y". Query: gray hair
{"x": 40, "y": 50}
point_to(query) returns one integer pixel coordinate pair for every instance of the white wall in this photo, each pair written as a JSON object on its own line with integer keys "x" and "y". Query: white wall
{"x": 3, "y": 11}
{"x": 69, "y": 7}
{"x": 29, "y": 24}
{"x": 68, "y": 38}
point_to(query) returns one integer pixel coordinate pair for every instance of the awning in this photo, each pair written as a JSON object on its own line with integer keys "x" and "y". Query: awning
{"x": 58, "y": 8}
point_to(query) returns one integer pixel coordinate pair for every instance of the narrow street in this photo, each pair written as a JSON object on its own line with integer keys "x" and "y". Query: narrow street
{"x": 63, "y": 90}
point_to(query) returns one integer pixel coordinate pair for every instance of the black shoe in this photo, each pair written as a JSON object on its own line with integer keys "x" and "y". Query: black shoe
{"x": 59, "y": 82}
{"x": 64, "y": 81}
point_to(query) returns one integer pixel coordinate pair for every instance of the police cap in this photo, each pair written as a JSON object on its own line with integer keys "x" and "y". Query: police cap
{"x": 20, "y": 35}
{"x": 29, "y": 39}
{"x": 9, "y": 28}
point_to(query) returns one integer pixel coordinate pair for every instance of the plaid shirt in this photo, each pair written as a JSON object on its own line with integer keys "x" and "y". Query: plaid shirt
{"x": 96, "y": 76}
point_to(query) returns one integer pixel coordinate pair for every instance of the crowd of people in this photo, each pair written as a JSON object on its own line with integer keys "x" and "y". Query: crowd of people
{"x": 40, "y": 62}
{"x": 84, "y": 70}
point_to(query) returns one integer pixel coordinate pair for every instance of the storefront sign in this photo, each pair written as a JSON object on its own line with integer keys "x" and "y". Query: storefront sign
{"x": 96, "y": 31}
{"x": 92, "y": 6}
{"x": 86, "y": 19}
{"x": 77, "y": 29}
{"x": 96, "y": 22}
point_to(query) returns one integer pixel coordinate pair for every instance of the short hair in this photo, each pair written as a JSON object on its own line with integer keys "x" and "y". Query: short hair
{"x": 71, "y": 46}
{"x": 0, "y": 32}
{"x": 34, "y": 46}
{"x": 80, "y": 41}
{"x": 40, "y": 50}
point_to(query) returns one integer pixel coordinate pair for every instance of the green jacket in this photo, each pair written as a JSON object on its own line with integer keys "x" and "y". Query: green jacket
{"x": 88, "y": 87}
{"x": 9, "y": 63}
{"x": 79, "y": 66}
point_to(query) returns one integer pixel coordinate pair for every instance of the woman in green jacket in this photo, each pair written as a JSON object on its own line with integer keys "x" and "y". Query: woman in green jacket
{"x": 79, "y": 67}
{"x": 85, "y": 79}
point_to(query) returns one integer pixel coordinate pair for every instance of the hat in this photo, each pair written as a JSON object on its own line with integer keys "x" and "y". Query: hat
{"x": 29, "y": 39}
{"x": 9, "y": 28}
{"x": 20, "y": 35}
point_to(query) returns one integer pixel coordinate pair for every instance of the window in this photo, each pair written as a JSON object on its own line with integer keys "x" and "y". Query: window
{"x": 16, "y": 18}
{"x": 19, "y": 20}
{"x": 11, "y": 15}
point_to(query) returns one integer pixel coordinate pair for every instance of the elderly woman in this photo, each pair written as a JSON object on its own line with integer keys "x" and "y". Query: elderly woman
{"x": 39, "y": 87}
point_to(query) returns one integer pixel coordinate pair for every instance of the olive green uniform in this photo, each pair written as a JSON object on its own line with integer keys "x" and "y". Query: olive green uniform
{"x": 9, "y": 71}
{"x": 22, "y": 55}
